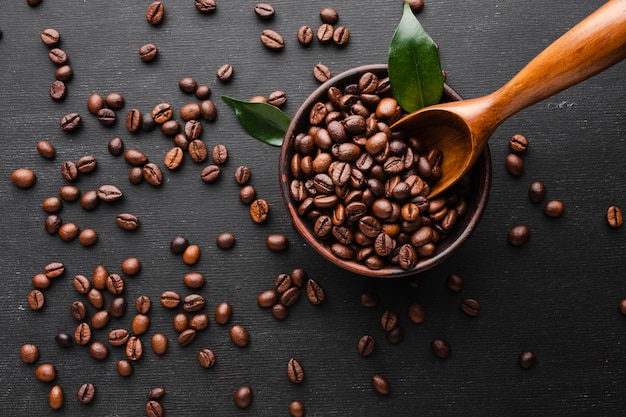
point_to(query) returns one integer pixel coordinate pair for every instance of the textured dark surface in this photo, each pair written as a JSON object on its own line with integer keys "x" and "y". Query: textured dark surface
{"x": 556, "y": 296}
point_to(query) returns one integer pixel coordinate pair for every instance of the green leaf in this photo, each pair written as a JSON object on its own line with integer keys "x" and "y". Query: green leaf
{"x": 413, "y": 64}
{"x": 261, "y": 120}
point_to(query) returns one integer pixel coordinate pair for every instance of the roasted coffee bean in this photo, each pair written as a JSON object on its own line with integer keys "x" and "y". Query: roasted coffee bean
{"x": 282, "y": 283}
{"x": 329, "y": 15}
{"x": 82, "y": 334}
{"x": 63, "y": 339}
{"x": 124, "y": 368}
{"x": 178, "y": 244}
{"x": 86, "y": 393}
{"x": 23, "y": 178}
{"x": 305, "y": 35}
{"x": 58, "y": 91}
{"x": 143, "y": 303}
{"x": 272, "y": 39}
{"x": 95, "y": 298}
{"x": 193, "y": 302}
{"x": 267, "y": 298}
{"x": 118, "y": 337}
{"x": 470, "y": 307}
{"x": 259, "y": 210}
{"x": 170, "y": 299}
{"x": 322, "y": 74}
{"x": 192, "y": 129}
{"x": 518, "y": 143}
{"x": 341, "y": 35}
{"x": 46, "y": 372}
{"x": 148, "y": 52}
{"x": 106, "y": 116}
{"x": 219, "y": 154}
{"x": 239, "y": 335}
{"x": 519, "y": 235}
{"x": 88, "y": 237}
{"x": 134, "y": 348}
{"x": 95, "y": 102}
{"x": 197, "y": 150}
{"x": 527, "y": 359}
{"x": 193, "y": 280}
{"x": 170, "y": 127}
{"x": 614, "y": 216}
{"x": 41, "y": 281}
{"x": 203, "y": 92}
{"x": 514, "y": 164}
{"x": 536, "y": 191}
{"x": 295, "y": 371}
{"x": 247, "y": 194}
{"x": 210, "y": 173}
{"x": 395, "y": 335}
{"x": 205, "y": 6}
{"x": 191, "y": 255}
{"x": 69, "y": 171}
{"x": 554, "y": 208}
{"x": 116, "y": 146}
{"x": 388, "y": 320}
{"x": 154, "y": 409}
{"x": 154, "y": 12}
{"x": 117, "y": 307}
{"x": 98, "y": 351}
{"x": 208, "y": 110}
{"x": 296, "y": 408}
{"x": 46, "y": 149}
{"x": 70, "y": 122}
{"x": 50, "y": 37}
{"x": 69, "y": 193}
{"x": 243, "y": 397}
{"x": 156, "y": 393}
{"x": 133, "y": 120}
{"x": 159, "y": 343}
{"x": 325, "y": 33}
{"x": 187, "y": 85}
{"x": 114, "y": 100}
{"x": 381, "y": 384}
{"x": 206, "y": 357}
{"x": 199, "y": 322}
{"x": 186, "y": 337}
{"x": 290, "y": 296}
{"x": 64, "y": 73}
{"x": 54, "y": 269}
{"x": 223, "y": 313}
{"x": 58, "y": 56}
{"x": 100, "y": 319}
{"x": 78, "y": 309}
{"x": 190, "y": 111}
{"x": 127, "y": 221}
{"x": 109, "y": 193}
{"x": 280, "y": 312}
{"x": 315, "y": 293}
{"x": 140, "y": 324}
{"x": 225, "y": 72}
{"x": 277, "y": 242}
{"x": 36, "y": 300}
{"x": 100, "y": 276}
{"x": 416, "y": 313}
{"x": 68, "y": 231}
{"x": 441, "y": 348}
{"x": 89, "y": 200}
{"x": 55, "y": 397}
{"x": 152, "y": 174}
{"x": 173, "y": 158}
{"x": 366, "y": 345}
{"x": 86, "y": 164}
{"x": 29, "y": 353}
{"x": 264, "y": 10}
{"x": 277, "y": 98}
{"x": 242, "y": 175}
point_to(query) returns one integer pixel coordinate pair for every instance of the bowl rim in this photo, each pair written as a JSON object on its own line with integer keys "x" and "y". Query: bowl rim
{"x": 448, "y": 246}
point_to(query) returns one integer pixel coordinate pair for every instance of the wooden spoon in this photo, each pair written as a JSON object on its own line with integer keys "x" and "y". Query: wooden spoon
{"x": 461, "y": 129}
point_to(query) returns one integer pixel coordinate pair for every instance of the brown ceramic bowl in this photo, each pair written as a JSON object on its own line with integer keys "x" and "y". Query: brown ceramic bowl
{"x": 477, "y": 200}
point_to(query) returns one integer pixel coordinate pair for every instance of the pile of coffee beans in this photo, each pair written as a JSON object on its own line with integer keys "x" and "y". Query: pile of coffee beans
{"x": 286, "y": 292}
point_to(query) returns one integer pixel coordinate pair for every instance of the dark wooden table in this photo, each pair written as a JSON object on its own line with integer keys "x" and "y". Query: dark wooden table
{"x": 556, "y": 296}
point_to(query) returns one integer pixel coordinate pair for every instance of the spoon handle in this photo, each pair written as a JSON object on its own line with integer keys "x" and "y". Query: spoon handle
{"x": 593, "y": 45}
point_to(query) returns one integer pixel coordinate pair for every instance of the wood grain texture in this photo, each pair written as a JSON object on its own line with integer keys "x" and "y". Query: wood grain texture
{"x": 556, "y": 296}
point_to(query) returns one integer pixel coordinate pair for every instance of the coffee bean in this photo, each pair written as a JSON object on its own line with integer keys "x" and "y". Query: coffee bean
{"x": 329, "y": 15}
{"x": 152, "y": 174}
{"x": 148, "y": 52}
{"x": 280, "y": 312}
{"x": 199, "y": 322}
{"x": 173, "y": 158}
{"x": 64, "y": 73}
{"x": 95, "y": 298}
{"x": 50, "y": 37}
{"x": 208, "y": 110}
{"x": 68, "y": 231}
{"x": 614, "y": 216}
{"x": 416, "y": 313}
{"x": 186, "y": 337}
{"x": 514, "y": 164}
{"x": 95, "y": 102}
{"x": 206, "y": 357}
{"x": 441, "y": 348}
{"x": 134, "y": 348}
{"x": 154, "y": 409}
{"x": 86, "y": 164}
{"x": 193, "y": 302}
{"x": 23, "y": 178}
{"x": 117, "y": 307}
{"x": 325, "y": 33}
{"x": 341, "y": 35}
{"x": 264, "y": 10}
{"x": 29, "y": 353}
{"x": 140, "y": 324}
{"x": 259, "y": 210}
{"x": 100, "y": 276}
{"x": 156, "y": 393}
{"x": 98, "y": 351}
{"x": 193, "y": 280}
{"x": 247, "y": 194}
{"x": 282, "y": 283}
{"x": 118, "y": 337}
{"x": 159, "y": 343}
{"x": 170, "y": 299}
{"x": 58, "y": 56}
{"x": 178, "y": 244}
{"x": 415, "y": 5}
{"x": 54, "y": 269}
{"x": 58, "y": 91}
{"x": 267, "y": 298}
{"x": 69, "y": 171}
{"x": 203, "y": 92}
{"x": 395, "y": 335}
{"x": 225, "y": 72}
{"x": 321, "y": 73}
{"x": 305, "y": 35}
{"x": 519, "y": 235}
{"x": 381, "y": 384}
{"x": 210, "y": 173}
{"x": 154, "y": 12}
{"x": 554, "y": 208}
{"x": 131, "y": 266}
{"x": 295, "y": 371}
{"x": 78, "y": 309}
{"x": 243, "y": 397}
{"x": 100, "y": 319}
{"x": 124, "y": 368}
{"x": 46, "y": 149}
{"x": 388, "y": 320}
{"x": 277, "y": 98}
{"x": 315, "y": 293}
{"x": 223, "y": 313}
{"x": 133, "y": 120}
{"x": 41, "y": 281}
{"x": 86, "y": 393}
{"x": 70, "y": 122}
{"x": 296, "y": 408}
{"x": 290, "y": 296}
{"x": 127, "y": 221}
{"x": 526, "y": 359}
{"x": 239, "y": 335}
{"x": 191, "y": 255}
{"x": 536, "y": 191}
{"x": 143, "y": 303}
{"x": 36, "y": 300}
{"x": 205, "y": 6}
{"x": 272, "y": 39}
{"x": 197, "y": 150}
{"x": 219, "y": 154}
{"x": 622, "y": 306}
{"x": 82, "y": 334}
{"x": 277, "y": 242}
{"x": 106, "y": 116}
{"x": 46, "y": 372}
{"x": 470, "y": 307}
{"x": 366, "y": 345}
{"x": 518, "y": 143}
{"x": 63, "y": 339}
{"x": 114, "y": 100}
{"x": 109, "y": 193}
{"x": 55, "y": 397}
{"x": 170, "y": 127}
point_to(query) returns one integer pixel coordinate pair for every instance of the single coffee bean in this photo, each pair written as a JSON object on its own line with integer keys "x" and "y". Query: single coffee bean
{"x": 199, "y": 322}
{"x": 197, "y": 150}
{"x": 282, "y": 283}
{"x": 58, "y": 56}
{"x": 315, "y": 293}
{"x": 134, "y": 348}
{"x": 264, "y": 10}
{"x": 225, "y": 72}
{"x": 95, "y": 103}
{"x": 210, "y": 173}
{"x": 329, "y": 15}
{"x": 154, "y": 409}
{"x": 58, "y": 91}
{"x": 117, "y": 307}
{"x": 154, "y": 12}
{"x": 86, "y": 164}
{"x": 68, "y": 231}
{"x": 118, "y": 337}
{"x": 159, "y": 343}
{"x": 381, "y": 384}
{"x": 100, "y": 276}
{"x": 69, "y": 193}
{"x": 299, "y": 277}
{"x": 170, "y": 299}
{"x": 239, "y": 335}
{"x": 69, "y": 171}
{"x": 23, "y": 178}
{"x": 170, "y": 127}
{"x": 106, "y": 116}
{"x": 277, "y": 242}
{"x": 206, "y": 357}
{"x": 86, "y": 393}
{"x": 143, "y": 304}
{"x": 296, "y": 408}
{"x": 267, "y": 298}
{"x": 205, "y": 6}
{"x": 290, "y": 296}
{"x": 341, "y": 35}
{"x": 243, "y": 397}
{"x": 280, "y": 312}
{"x": 133, "y": 120}
{"x": 208, "y": 110}
{"x": 127, "y": 221}
{"x": 536, "y": 191}
{"x": 186, "y": 337}
{"x": 388, "y": 320}
{"x": 247, "y": 194}
{"x": 29, "y": 353}
{"x": 191, "y": 255}
{"x": 514, "y": 164}
{"x": 395, "y": 335}
{"x": 173, "y": 158}
{"x": 272, "y": 39}
{"x": 193, "y": 280}
{"x": 369, "y": 299}
{"x": 225, "y": 240}
{"x": 78, "y": 309}
{"x": 259, "y": 210}
{"x": 305, "y": 35}
{"x": 114, "y": 100}
{"x": 366, "y": 345}
{"x": 63, "y": 339}
{"x": 98, "y": 351}
{"x": 124, "y": 368}
{"x": 55, "y": 397}
{"x": 622, "y": 306}
{"x": 70, "y": 122}
{"x": 203, "y": 92}
{"x": 188, "y": 85}
{"x": 441, "y": 348}
{"x": 614, "y": 216}
{"x": 519, "y": 235}
{"x": 140, "y": 324}
{"x": 223, "y": 313}
{"x": 82, "y": 334}
{"x": 526, "y": 359}
{"x": 156, "y": 393}
{"x": 64, "y": 73}
{"x": 50, "y": 37}
{"x": 100, "y": 319}
{"x": 46, "y": 372}
{"x": 325, "y": 33}
{"x": 518, "y": 143}
{"x": 116, "y": 146}
{"x": 219, "y": 154}
{"x": 295, "y": 371}
{"x": 470, "y": 307}
{"x": 41, "y": 281}
{"x": 554, "y": 208}
{"x": 455, "y": 283}
{"x": 88, "y": 237}
{"x": 178, "y": 244}
{"x": 193, "y": 302}
{"x": 95, "y": 298}
{"x": 36, "y": 300}
{"x": 277, "y": 98}
{"x": 46, "y": 149}
{"x": 109, "y": 193}
{"x": 416, "y": 313}
{"x": 322, "y": 74}
{"x": 152, "y": 174}
{"x": 54, "y": 269}
{"x": 148, "y": 52}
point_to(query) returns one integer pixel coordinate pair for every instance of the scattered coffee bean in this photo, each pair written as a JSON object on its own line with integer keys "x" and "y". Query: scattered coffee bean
{"x": 109, "y": 193}
{"x": 78, "y": 309}
{"x": 243, "y": 397}
{"x": 519, "y": 235}
{"x": 264, "y": 10}
{"x": 82, "y": 334}
{"x": 154, "y": 408}
{"x": 416, "y": 313}
{"x": 197, "y": 150}
{"x": 329, "y": 15}
{"x": 259, "y": 210}
{"x": 223, "y": 313}
{"x": 296, "y": 408}
{"x": 614, "y": 216}
{"x": 315, "y": 293}
{"x": 46, "y": 149}
{"x": 95, "y": 103}
{"x": 118, "y": 337}
{"x": 193, "y": 302}
{"x": 369, "y": 299}
{"x": 203, "y": 92}
{"x": 208, "y": 110}
{"x": 117, "y": 307}
{"x": 36, "y": 300}
{"x": 70, "y": 122}
{"x": 239, "y": 335}
{"x": 95, "y": 298}
{"x": 68, "y": 231}
{"x": 295, "y": 371}
{"x": 127, "y": 221}
{"x": 124, "y": 368}
{"x": 536, "y": 191}
{"x": 54, "y": 269}
{"x": 514, "y": 164}
{"x": 100, "y": 319}
{"x": 63, "y": 339}
{"x": 55, "y": 397}
{"x": 193, "y": 280}
{"x": 159, "y": 343}
{"x": 470, "y": 307}
{"x": 23, "y": 178}
{"x": 152, "y": 174}
{"x": 622, "y": 306}
{"x": 140, "y": 324}
{"x": 518, "y": 143}
{"x": 305, "y": 35}
{"x": 206, "y": 357}
{"x": 341, "y": 35}
{"x": 155, "y": 12}
{"x": 143, "y": 303}
{"x": 41, "y": 281}
{"x": 225, "y": 72}
{"x": 554, "y": 208}
{"x": 526, "y": 359}
{"x": 366, "y": 345}
{"x": 247, "y": 194}
{"x": 191, "y": 255}
{"x": 134, "y": 348}
{"x": 58, "y": 56}
{"x": 441, "y": 348}
{"x": 29, "y": 353}
{"x": 280, "y": 312}
{"x": 106, "y": 116}
{"x": 290, "y": 296}
{"x": 321, "y": 73}
{"x": 210, "y": 173}
{"x": 277, "y": 242}
{"x": 98, "y": 351}
{"x": 64, "y": 73}
{"x": 50, "y": 37}
{"x": 46, "y": 372}
{"x": 205, "y": 6}
{"x": 170, "y": 299}
{"x": 277, "y": 98}
{"x": 186, "y": 337}
{"x": 199, "y": 322}
{"x": 114, "y": 100}
{"x": 58, "y": 91}
{"x": 178, "y": 244}
{"x": 272, "y": 39}
{"x": 52, "y": 205}
{"x": 325, "y": 33}
{"x": 282, "y": 283}
{"x": 381, "y": 384}
{"x": 156, "y": 393}
{"x": 267, "y": 298}
{"x": 86, "y": 393}
{"x": 148, "y": 52}
{"x": 388, "y": 320}
{"x": 225, "y": 240}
